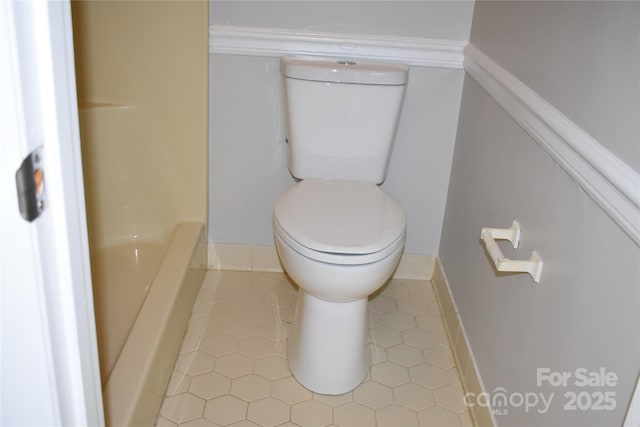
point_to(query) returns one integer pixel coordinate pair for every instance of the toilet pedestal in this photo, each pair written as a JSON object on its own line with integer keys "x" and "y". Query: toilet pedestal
{"x": 327, "y": 345}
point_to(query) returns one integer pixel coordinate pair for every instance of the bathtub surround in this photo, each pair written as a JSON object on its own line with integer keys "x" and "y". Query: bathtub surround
{"x": 142, "y": 93}
{"x": 134, "y": 391}
{"x": 152, "y": 56}
{"x": 584, "y": 312}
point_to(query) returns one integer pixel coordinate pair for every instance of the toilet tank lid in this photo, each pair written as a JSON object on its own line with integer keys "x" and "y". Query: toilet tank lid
{"x": 337, "y": 70}
{"x": 342, "y": 217}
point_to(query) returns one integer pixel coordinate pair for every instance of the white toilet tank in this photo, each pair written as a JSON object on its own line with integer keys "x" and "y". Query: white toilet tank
{"x": 342, "y": 116}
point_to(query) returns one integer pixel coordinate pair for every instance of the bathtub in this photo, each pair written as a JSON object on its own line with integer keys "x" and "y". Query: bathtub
{"x": 134, "y": 387}
{"x": 146, "y": 264}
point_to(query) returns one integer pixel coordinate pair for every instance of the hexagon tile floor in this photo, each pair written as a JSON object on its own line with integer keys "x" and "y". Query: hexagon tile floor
{"x": 232, "y": 368}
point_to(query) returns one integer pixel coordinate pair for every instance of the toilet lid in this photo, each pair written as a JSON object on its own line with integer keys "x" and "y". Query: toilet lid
{"x": 347, "y": 217}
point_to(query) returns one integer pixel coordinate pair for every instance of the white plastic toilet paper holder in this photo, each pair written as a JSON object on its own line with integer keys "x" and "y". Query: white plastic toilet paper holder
{"x": 533, "y": 266}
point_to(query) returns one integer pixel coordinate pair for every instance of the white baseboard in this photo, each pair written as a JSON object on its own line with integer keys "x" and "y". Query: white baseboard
{"x": 265, "y": 258}
{"x": 467, "y": 368}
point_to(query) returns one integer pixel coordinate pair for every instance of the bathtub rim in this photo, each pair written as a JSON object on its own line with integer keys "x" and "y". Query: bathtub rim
{"x": 176, "y": 285}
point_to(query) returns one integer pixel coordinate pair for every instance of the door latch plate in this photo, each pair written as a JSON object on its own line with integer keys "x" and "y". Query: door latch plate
{"x": 30, "y": 186}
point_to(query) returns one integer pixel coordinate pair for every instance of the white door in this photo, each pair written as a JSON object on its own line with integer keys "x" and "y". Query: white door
{"x": 49, "y": 372}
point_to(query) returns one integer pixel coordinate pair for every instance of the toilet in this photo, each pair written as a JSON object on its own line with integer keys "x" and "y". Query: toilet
{"x": 339, "y": 236}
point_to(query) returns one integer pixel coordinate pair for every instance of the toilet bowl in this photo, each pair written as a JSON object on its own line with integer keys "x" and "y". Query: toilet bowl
{"x": 339, "y": 241}
{"x": 338, "y": 234}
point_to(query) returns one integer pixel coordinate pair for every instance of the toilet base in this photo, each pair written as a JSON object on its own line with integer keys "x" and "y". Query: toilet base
{"x": 327, "y": 346}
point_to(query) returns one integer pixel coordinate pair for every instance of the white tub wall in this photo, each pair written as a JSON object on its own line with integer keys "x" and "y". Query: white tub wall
{"x": 152, "y": 56}
{"x": 584, "y": 312}
{"x": 247, "y": 153}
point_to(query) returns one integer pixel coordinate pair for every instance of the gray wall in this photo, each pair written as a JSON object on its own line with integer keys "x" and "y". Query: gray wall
{"x": 432, "y": 19}
{"x": 581, "y": 56}
{"x": 247, "y": 155}
{"x": 585, "y": 311}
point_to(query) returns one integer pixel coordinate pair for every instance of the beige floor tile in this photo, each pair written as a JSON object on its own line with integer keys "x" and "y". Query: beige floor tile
{"x": 206, "y": 326}
{"x": 373, "y": 395}
{"x": 225, "y": 410}
{"x": 275, "y": 329}
{"x": 234, "y": 365}
{"x": 209, "y": 386}
{"x": 382, "y": 304}
{"x": 195, "y": 363}
{"x": 398, "y": 320}
{"x": 182, "y": 408}
{"x": 233, "y": 370}
{"x": 420, "y": 338}
{"x": 218, "y": 345}
{"x": 396, "y": 416}
{"x": 439, "y": 356}
{"x": 397, "y": 289}
{"x": 413, "y": 396}
{"x": 334, "y": 401}
{"x": 272, "y": 367}
{"x": 261, "y": 312}
{"x": 268, "y": 412}
{"x": 257, "y": 347}
{"x": 199, "y": 422}
{"x": 290, "y": 391}
{"x": 311, "y": 413}
{"x": 430, "y": 321}
{"x": 436, "y": 416}
{"x": 353, "y": 414}
{"x": 241, "y": 328}
{"x": 244, "y": 423}
{"x": 227, "y": 310}
{"x": 374, "y": 319}
{"x": 390, "y": 374}
{"x": 163, "y": 422}
{"x": 378, "y": 354}
{"x": 405, "y": 355}
{"x": 280, "y": 298}
{"x": 429, "y": 376}
{"x": 412, "y": 305}
{"x": 385, "y": 337}
{"x": 251, "y": 387}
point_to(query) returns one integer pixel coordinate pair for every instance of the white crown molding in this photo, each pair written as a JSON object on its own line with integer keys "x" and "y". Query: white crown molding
{"x": 275, "y": 42}
{"x": 612, "y": 184}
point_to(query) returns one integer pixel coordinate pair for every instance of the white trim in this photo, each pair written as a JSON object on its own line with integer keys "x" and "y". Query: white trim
{"x": 277, "y": 42}
{"x": 265, "y": 258}
{"x": 612, "y": 184}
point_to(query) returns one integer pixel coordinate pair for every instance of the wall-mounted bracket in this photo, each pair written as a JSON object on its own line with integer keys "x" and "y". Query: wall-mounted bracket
{"x": 533, "y": 266}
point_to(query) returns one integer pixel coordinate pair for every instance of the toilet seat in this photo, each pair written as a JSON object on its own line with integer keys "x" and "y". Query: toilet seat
{"x": 343, "y": 222}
